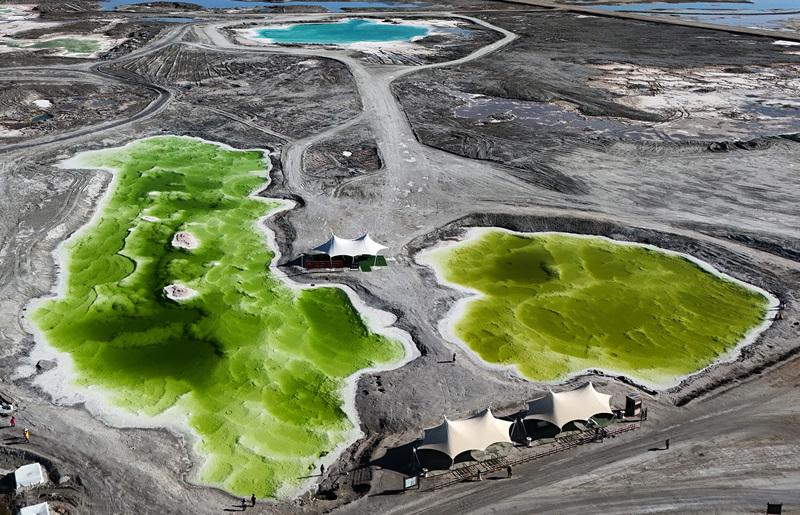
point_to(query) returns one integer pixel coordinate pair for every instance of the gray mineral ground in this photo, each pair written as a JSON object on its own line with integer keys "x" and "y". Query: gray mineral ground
{"x": 678, "y": 131}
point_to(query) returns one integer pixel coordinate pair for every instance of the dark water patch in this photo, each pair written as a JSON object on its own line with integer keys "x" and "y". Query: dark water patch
{"x": 553, "y": 117}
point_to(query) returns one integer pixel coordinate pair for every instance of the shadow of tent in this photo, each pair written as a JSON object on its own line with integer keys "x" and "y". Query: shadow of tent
{"x": 8, "y": 483}
{"x": 401, "y": 459}
{"x": 435, "y": 460}
{"x": 496, "y": 450}
{"x": 540, "y": 429}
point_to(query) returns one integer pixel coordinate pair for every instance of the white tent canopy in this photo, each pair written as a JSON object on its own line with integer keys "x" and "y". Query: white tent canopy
{"x": 477, "y": 433}
{"x": 362, "y": 246}
{"x": 564, "y": 407}
{"x": 28, "y": 475}
{"x": 36, "y": 509}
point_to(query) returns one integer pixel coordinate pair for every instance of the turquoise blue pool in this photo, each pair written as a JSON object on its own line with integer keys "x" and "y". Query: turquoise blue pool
{"x": 354, "y": 30}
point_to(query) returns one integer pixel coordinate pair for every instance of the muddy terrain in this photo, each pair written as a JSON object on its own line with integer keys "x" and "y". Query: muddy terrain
{"x": 563, "y": 83}
{"x": 285, "y": 95}
{"x": 329, "y": 165}
{"x": 41, "y": 105}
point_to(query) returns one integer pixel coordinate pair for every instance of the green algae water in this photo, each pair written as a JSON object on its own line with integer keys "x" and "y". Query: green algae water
{"x": 257, "y": 368}
{"x": 553, "y": 304}
{"x": 71, "y": 45}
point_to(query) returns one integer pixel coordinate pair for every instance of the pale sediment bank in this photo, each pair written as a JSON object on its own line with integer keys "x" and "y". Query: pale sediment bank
{"x": 185, "y": 240}
{"x": 60, "y": 382}
{"x": 179, "y": 292}
{"x": 457, "y": 312}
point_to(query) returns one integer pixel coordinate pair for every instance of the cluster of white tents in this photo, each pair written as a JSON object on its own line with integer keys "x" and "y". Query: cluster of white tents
{"x": 578, "y": 405}
{"x": 455, "y": 437}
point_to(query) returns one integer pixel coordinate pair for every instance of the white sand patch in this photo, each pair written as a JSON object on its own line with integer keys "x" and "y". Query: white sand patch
{"x": 15, "y": 18}
{"x": 783, "y": 42}
{"x": 347, "y": 153}
{"x": 5, "y": 132}
{"x": 60, "y": 384}
{"x": 43, "y": 104}
{"x": 178, "y": 292}
{"x": 693, "y": 98}
{"x": 459, "y": 309}
{"x": 152, "y": 219}
{"x": 185, "y": 240}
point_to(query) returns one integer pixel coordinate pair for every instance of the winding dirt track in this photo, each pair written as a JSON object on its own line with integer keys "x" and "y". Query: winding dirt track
{"x": 101, "y": 72}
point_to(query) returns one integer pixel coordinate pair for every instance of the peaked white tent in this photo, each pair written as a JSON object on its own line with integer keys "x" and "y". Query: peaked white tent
{"x": 561, "y": 408}
{"x": 29, "y": 475}
{"x": 477, "y": 433}
{"x": 362, "y": 246}
{"x": 36, "y": 509}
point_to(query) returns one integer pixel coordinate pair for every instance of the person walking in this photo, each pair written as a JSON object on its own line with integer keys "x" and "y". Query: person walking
{"x": 454, "y": 357}
{"x": 27, "y": 435}
{"x": 253, "y": 500}
{"x": 508, "y": 470}
{"x": 13, "y": 421}
{"x": 666, "y": 444}
{"x": 321, "y": 469}
{"x": 244, "y": 504}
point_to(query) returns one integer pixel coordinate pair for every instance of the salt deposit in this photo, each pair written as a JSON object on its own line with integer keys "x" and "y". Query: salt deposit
{"x": 178, "y": 292}
{"x": 185, "y": 240}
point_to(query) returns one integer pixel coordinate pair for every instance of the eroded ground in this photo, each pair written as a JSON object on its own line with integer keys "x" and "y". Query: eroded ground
{"x": 291, "y": 96}
{"x": 40, "y": 105}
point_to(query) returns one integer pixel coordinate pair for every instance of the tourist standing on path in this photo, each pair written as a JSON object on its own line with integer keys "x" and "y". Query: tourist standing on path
{"x": 321, "y": 469}
{"x": 27, "y": 435}
{"x": 13, "y": 421}
{"x": 253, "y": 500}
{"x": 508, "y": 470}
{"x": 244, "y": 504}
{"x": 666, "y": 444}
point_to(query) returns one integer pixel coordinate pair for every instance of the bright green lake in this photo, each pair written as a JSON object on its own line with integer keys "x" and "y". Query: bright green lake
{"x": 555, "y": 304}
{"x": 257, "y": 368}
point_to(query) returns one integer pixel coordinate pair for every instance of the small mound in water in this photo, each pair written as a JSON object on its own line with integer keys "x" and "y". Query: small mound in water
{"x": 185, "y": 240}
{"x": 554, "y": 304}
{"x": 179, "y": 292}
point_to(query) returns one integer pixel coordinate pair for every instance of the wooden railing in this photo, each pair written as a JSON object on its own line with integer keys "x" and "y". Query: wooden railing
{"x": 497, "y": 464}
